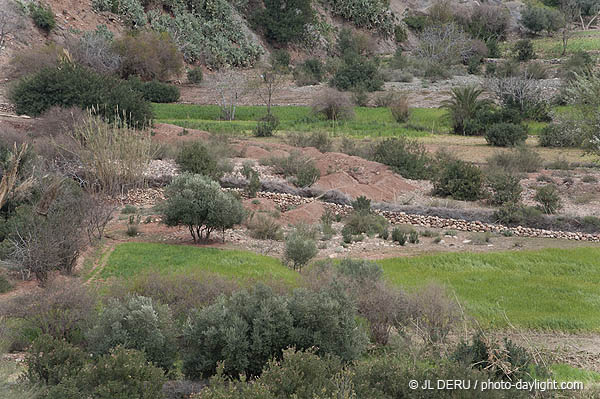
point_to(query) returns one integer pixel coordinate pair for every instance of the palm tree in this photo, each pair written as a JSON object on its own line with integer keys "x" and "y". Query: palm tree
{"x": 463, "y": 106}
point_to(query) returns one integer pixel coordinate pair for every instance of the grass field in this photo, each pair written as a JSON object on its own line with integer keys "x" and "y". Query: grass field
{"x": 368, "y": 122}
{"x": 551, "y": 47}
{"x": 550, "y": 289}
{"x": 134, "y": 258}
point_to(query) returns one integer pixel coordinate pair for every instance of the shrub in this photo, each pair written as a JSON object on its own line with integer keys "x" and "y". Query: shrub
{"x": 415, "y": 22}
{"x": 196, "y": 158}
{"x": 195, "y": 75}
{"x": 31, "y": 60}
{"x": 400, "y": 110}
{"x": 486, "y": 117}
{"x": 50, "y": 361}
{"x": 517, "y": 215}
{"x": 95, "y": 50}
{"x": 42, "y": 16}
{"x": 400, "y": 33}
{"x": 122, "y": 374}
{"x": 538, "y": 19}
{"x": 365, "y": 223}
{"x": 536, "y": 70}
{"x": 518, "y": 160}
{"x": 459, "y": 180}
{"x": 368, "y": 14}
{"x": 71, "y": 85}
{"x": 299, "y": 250}
{"x": 434, "y": 312}
{"x": 303, "y": 171}
{"x": 284, "y": 21}
{"x": 405, "y": 157}
{"x": 136, "y": 323}
{"x": 358, "y": 72}
{"x": 149, "y": 55}
{"x": 507, "y": 69}
{"x": 264, "y": 227}
{"x": 505, "y": 134}
{"x": 488, "y": 22}
{"x": 235, "y": 330}
{"x": 548, "y": 198}
{"x": 505, "y": 188}
{"x": 280, "y": 59}
{"x": 198, "y": 203}
{"x": 320, "y": 140}
{"x": 561, "y": 134}
{"x": 309, "y": 72}
{"x": 413, "y": 237}
{"x": 399, "y": 236}
{"x": 5, "y": 285}
{"x": 266, "y": 126}
{"x": 155, "y": 91}
{"x": 578, "y": 63}
{"x": 523, "y": 50}
{"x": 441, "y": 46}
{"x": 463, "y": 106}
{"x": 333, "y": 105}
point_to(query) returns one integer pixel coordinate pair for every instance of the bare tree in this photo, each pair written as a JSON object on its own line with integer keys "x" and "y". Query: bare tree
{"x": 569, "y": 11}
{"x": 270, "y": 81}
{"x": 94, "y": 50}
{"x": 10, "y": 20}
{"x": 516, "y": 91}
{"x": 445, "y": 44}
{"x": 231, "y": 86}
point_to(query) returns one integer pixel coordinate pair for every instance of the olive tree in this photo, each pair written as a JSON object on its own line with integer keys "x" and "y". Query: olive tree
{"x": 197, "y": 202}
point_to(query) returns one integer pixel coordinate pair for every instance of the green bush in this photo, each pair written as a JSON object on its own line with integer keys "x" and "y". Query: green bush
{"x": 399, "y": 236}
{"x": 50, "y": 361}
{"x": 512, "y": 214}
{"x": 459, "y": 180}
{"x": 301, "y": 374}
{"x": 523, "y": 50}
{"x": 197, "y": 202}
{"x": 155, "y": 91}
{"x": 284, "y": 21}
{"x": 196, "y": 158}
{"x": 548, "y": 198}
{"x": 505, "y": 134}
{"x": 358, "y": 72}
{"x": 536, "y": 70}
{"x": 578, "y": 64}
{"x": 405, "y": 157}
{"x": 413, "y": 237}
{"x": 488, "y": 116}
{"x": 5, "y": 285}
{"x": 360, "y": 270}
{"x": 72, "y": 85}
{"x": 361, "y": 204}
{"x": 195, "y": 75}
{"x": 400, "y": 33}
{"x": 136, "y": 323}
{"x": 280, "y": 59}
{"x": 42, "y": 16}
{"x": 505, "y": 188}
{"x": 518, "y": 160}
{"x": 266, "y": 126}
{"x": 369, "y": 14}
{"x": 248, "y": 329}
{"x": 538, "y": 18}
{"x": 302, "y": 170}
{"x": 309, "y": 72}
{"x": 299, "y": 250}
{"x": 561, "y": 134}
{"x": 365, "y": 223}
{"x": 416, "y": 22}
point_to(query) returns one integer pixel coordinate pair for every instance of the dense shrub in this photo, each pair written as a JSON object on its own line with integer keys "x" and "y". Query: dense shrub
{"x": 198, "y": 203}
{"x": 136, "y": 323}
{"x": 309, "y": 72}
{"x": 235, "y": 330}
{"x": 512, "y": 214}
{"x": 208, "y": 34}
{"x": 400, "y": 109}
{"x": 358, "y": 72}
{"x": 5, "y": 285}
{"x": 364, "y": 222}
{"x": 299, "y": 250}
{"x": 280, "y": 59}
{"x": 536, "y": 70}
{"x": 522, "y": 95}
{"x": 577, "y": 64}
{"x": 506, "y": 188}
{"x": 538, "y": 19}
{"x": 459, "y": 180}
{"x": 405, "y": 157}
{"x": 523, "y": 50}
{"x": 195, "y": 75}
{"x": 132, "y": 11}
{"x": 300, "y": 169}
{"x": 561, "y": 134}
{"x": 488, "y": 116}
{"x": 548, "y": 198}
{"x": 42, "y": 16}
{"x": 284, "y": 21}
{"x": 149, "y": 55}
{"x": 196, "y": 158}
{"x": 320, "y": 140}
{"x": 441, "y": 46}
{"x": 50, "y": 361}
{"x": 266, "y": 126}
{"x": 415, "y": 22}
{"x": 71, "y": 85}
{"x": 155, "y": 91}
{"x": 333, "y": 105}
{"x": 400, "y": 33}
{"x": 487, "y": 21}
{"x": 505, "y": 134}
{"x": 264, "y": 227}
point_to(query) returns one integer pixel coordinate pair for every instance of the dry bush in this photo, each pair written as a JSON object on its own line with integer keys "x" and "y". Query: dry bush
{"x": 94, "y": 50}
{"x": 34, "y": 59}
{"x": 111, "y": 157}
{"x": 149, "y": 55}
{"x": 334, "y": 105}
{"x": 264, "y": 227}
{"x": 400, "y": 109}
{"x": 64, "y": 309}
{"x": 433, "y": 313}
{"x": 443, "y": 45}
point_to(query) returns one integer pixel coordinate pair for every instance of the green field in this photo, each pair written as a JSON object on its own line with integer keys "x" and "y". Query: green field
{"x": 134, "y": 258}
{"x": 550, "y": 47}
{"x": 368, "y": 122}
{"x": 551, "y": 289}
